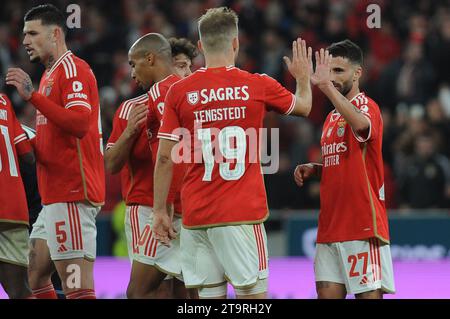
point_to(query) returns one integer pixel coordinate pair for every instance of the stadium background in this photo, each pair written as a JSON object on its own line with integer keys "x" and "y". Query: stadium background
{"x": 406, "y": 70}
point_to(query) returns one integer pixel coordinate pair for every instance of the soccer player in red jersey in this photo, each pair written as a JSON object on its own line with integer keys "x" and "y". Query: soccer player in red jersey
{"x": 224, "y": 202}
{"x": 183, "y": 52}
{"x": 352, "y": 252}
{"x": 131, "y": 150}
{"x": 69, "y": 154}
{"x": 14, "y": 146}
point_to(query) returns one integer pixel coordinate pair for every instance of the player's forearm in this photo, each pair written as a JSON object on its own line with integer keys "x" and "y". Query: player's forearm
{"x": 351, "y": 114}
{"x": 75, "y": 122}
{"x": 162, "y": 180}
{"x": 303, "y": 95}
{"x": 117, "y": 155}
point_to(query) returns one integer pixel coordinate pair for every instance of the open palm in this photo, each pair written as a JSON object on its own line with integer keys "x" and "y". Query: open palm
{"x": 301, "y": 65}
{"x": 322, "y": 73}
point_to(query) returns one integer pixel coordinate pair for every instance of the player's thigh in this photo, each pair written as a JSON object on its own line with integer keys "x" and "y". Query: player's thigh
{"x": 14, "y": 279}
{"x": 71, "y": 230}
{"x": 144, "y": 248}
{"x": 145, "y": 281}
{"x": 242, "y": 251}
{"x": 75, "y": 273}
{"x": 368, "y": 266}
{"x": 14, "y": 245}
{"x": 329, "y": 276}
{"x": 40, "y": 266}
{"x": 199, "y": 262}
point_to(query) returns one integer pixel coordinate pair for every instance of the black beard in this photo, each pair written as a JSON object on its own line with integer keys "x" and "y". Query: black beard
{"x": 346, "y": 88}
{"x": 35, "y": 60}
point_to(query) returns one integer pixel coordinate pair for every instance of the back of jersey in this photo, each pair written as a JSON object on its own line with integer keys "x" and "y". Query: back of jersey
{"x": 222, "y": 112}
{"x": 13, "y": 142}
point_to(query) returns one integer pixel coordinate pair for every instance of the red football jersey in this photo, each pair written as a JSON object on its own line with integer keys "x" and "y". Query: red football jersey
{"x": 352, "y": 184}
{"x": 137, "y": 174}
{"x": 157, "y": 94}
{"x": 222, "y": 110}
{"x": 13, "y": 142}
{"x": 70, "y": 169}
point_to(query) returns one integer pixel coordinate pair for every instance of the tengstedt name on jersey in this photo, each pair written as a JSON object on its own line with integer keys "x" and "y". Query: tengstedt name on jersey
{"x": 226, "y": 113}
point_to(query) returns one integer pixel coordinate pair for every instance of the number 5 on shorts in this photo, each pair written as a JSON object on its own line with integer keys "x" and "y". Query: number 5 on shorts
{"x": 61, "y": 235}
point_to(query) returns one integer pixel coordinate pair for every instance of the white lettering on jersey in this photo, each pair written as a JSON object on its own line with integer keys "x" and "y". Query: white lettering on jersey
{"x": 329, "y": 149}
{"x": 77, "y": 96}
{"x": 222, "y": 114}
{"x": 3, "y": 115}
{"x": 330, "y": 153}
{"x": 224, "y": 94}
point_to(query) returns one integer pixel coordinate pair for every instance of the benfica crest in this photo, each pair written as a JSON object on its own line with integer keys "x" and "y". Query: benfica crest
{"x": 341, "y": 127}
{"x": 192, "y": 97}
{"x": 48, "y": 88}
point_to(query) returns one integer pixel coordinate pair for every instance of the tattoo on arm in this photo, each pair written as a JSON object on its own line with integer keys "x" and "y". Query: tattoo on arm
{"x": 28, "y": 86}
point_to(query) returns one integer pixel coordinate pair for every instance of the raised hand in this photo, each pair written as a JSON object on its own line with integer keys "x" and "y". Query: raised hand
{"x": 21, "y": 80}
{"x": 321, "y": 75}
{"x": 301, "y": 65}
{"x": 303, "y": 172}
{"x": 137, "y": 119}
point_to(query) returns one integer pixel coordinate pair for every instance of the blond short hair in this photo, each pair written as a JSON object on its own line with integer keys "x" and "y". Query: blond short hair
{"x": 217, "y": 27}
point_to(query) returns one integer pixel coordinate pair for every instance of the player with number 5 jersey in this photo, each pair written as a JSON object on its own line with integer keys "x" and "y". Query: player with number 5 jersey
{"x": 69, "y": 154}
{"x": 221, "y": 108}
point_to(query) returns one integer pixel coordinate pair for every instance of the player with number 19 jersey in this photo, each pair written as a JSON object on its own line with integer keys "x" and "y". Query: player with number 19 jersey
{"x": 222, "y": 109}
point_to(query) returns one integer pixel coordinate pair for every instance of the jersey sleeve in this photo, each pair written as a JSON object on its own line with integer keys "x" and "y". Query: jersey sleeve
{"x": 154, "y": 118}
{"x": 75, "y": 86}
{"x": 372, "y": 112}
{"x": 276, "y": 97}
{"x": 19, "y": 137}
{"x": 170, "y": 122}
{"x": 119, "y": 125}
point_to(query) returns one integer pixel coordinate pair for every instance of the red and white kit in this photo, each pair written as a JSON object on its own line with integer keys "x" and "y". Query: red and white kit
{"x": 353, "y": 233}
{"x": 220, "y": 108}
{"x": 70, "y": 170}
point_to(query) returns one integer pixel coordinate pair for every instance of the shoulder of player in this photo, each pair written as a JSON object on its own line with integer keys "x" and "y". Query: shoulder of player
{"x": 123, "y": 111}
{"x": 362, "y": 100}
{"x": 73, "y": 66}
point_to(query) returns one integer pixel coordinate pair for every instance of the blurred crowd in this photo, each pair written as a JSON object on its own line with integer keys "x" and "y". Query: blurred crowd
{"x": 406, "y": 70}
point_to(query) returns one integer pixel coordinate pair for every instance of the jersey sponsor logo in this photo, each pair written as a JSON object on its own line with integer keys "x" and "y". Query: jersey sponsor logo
{"x": 77, "y": 96}
{"x": 77, "y": 86}
{"x": 364, "y": 109}
{"x": 192, "y": 97}
{"x": 224, "y": 94}
{"x": 41, "y": 119}
{"x": 330, "y": 153}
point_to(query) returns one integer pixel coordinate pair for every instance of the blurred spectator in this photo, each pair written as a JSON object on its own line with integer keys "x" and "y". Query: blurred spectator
{"x": 406, "y": 62}
{"x": 426, "y": 180}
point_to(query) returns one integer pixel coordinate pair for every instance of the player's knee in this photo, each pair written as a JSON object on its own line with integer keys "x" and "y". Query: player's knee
{"x": 257, "y": 291}
{"x": 17, "y": 289}
{"x": 373, "y": 294}
{"x": 138, "y": 291}
{"x": 213, "y": 292}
